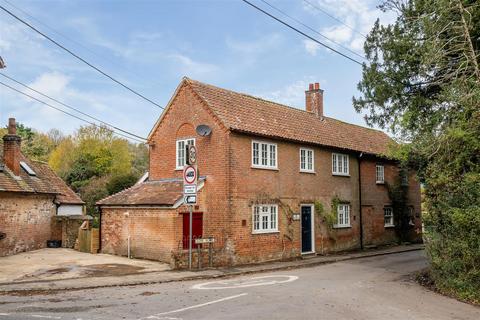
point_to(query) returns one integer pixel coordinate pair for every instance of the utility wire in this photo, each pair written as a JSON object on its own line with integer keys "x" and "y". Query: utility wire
{"x": 68, "y": 113}
{"x": 104, "y": 57}
{"x": 334, "y": 18}
{"x": 71, "y": 108}
{"x": 80, "y": 58}
{"x": 301, "y": 32}
{"x": 311, "y": 29}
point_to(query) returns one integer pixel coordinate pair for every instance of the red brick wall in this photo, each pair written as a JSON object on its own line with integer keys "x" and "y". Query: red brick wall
{"x": 28, "y": 221}
{"x": 185, "y": 113}
{"x": 290, "y": 188}
{"x": 153, "y": 232}
{"x": 375, "y": 197}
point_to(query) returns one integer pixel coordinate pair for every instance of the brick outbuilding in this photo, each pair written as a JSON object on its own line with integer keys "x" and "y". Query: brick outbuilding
{"x": 35, "y": 204}
{"x": 273, "y": 177}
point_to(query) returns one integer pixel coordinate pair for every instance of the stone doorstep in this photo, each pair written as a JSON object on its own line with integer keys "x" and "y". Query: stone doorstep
{"x": 171, "y": 276}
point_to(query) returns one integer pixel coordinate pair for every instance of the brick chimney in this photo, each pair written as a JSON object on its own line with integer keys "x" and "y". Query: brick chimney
{"x": 314, "y": 99}
{"x": 11, "y": 148}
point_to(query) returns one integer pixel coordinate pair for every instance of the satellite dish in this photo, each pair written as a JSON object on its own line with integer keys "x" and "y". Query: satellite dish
{"x": 204, "y": 130}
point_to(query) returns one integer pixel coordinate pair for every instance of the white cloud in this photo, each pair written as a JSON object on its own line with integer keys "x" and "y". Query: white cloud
{"x": 359, "y": 15}
{"x": 189, "y": 67}
{"x": 338, "y": 33}
{"x": 51, "y": 83}
{"x": 292, "y": 94}
{"x": 311, "y": 47}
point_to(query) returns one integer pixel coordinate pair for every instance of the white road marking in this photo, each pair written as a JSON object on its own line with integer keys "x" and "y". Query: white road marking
{"x": 45, "y": 317}
{"x": 4, "y": 314}
{"x": 250, "y": 282}
{"x": 155, "y": 316}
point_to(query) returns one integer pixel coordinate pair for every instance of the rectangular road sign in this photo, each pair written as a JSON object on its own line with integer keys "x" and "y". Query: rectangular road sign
{"x": 205, "y": 240}
{"x": 190, "y": 199}
{"x": 190, "y": 189}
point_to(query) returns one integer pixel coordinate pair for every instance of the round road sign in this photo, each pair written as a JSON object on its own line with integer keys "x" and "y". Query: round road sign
{"x": 189, "y": 175}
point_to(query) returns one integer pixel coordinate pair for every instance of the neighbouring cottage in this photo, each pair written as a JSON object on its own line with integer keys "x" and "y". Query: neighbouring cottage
{"x": 266, "y": 172}
{"x": 35, "y": 204}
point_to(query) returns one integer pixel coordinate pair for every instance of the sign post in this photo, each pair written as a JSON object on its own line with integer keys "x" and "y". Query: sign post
{"x": 190, "y": 191}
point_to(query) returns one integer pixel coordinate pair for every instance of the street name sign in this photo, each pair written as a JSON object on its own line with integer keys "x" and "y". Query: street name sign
{"x": 204, "y": 240}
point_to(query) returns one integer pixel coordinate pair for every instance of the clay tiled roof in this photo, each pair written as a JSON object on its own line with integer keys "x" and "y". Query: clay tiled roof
{"x": 149, "y": 193}
{"x": 252, "y": 115}
{"x": 45, "y": 181}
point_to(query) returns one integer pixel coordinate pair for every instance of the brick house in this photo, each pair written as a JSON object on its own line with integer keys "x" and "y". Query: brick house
{"x": 35, "y": 204}
{"x": 266, "y": 169}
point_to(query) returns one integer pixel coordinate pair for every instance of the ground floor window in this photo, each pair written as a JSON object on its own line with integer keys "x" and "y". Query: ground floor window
{"x": 265, "y": 218}
{"x": 197, "y": 228}
{"x": 343, "y": 216}
{"x": 388, "y": 216}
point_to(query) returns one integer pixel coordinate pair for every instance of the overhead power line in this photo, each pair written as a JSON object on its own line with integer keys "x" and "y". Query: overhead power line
{"x": 333, "y": 17}
{"x": 80, "y": 58}
{"x": 301, "y": 32}
{"x": 78, "y": 43}
{"x": 311, "y": 29}
{"x": 68, "y": 113}
{"x": 71, "y": 108}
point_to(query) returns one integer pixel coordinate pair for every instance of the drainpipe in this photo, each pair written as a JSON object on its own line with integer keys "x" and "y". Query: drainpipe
{"x": 359, "y": 159}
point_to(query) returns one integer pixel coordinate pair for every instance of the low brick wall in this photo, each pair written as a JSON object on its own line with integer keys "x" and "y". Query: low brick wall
{"x": 153, "y": 232}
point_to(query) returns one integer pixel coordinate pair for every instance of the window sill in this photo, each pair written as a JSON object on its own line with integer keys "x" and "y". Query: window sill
{"x": 380, "y": 182}
{"x": 265, "y": 232}
{"x": 342, "y": 227}
{"x": 389, "y": 226}
{"x": 340, "y": 175}
{"x": 307, "y": 171}
{"x": 265, "y": 168}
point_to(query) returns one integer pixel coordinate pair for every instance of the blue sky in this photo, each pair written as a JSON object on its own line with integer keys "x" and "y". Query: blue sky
{"x": 151, "y": 45}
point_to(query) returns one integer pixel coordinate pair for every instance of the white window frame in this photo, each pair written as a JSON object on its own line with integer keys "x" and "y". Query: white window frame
{"x": 267, "y": 221}
{"x": 305, "y": 166}
{"x": 344, "y": 168}
{"x": 264, "y": 156}
{"x": 185, "y": 141}
{"x": 343, "y": 216}
{"x": 390, "y": 217}
{"x": 380, "y": 174}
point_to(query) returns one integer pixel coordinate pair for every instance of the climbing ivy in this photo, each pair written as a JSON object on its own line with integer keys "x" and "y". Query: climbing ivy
{"x": 398, "y": 194}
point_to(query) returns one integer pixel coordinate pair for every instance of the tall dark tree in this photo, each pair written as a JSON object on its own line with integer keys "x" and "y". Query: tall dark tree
{"x": 422, "y": 83}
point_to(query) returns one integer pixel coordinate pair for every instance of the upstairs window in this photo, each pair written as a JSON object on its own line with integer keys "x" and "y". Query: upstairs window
{"x": 343, "y": 216}
{"x": 388, "y": 216}
{"x": 380, "y": 174}
{"x": 181, "y": 144}
{"x": 265, "y": 218}
{"x": 306, "y": 160}
{"x": 264, "y": 155}
{"x": 340, "y": 164}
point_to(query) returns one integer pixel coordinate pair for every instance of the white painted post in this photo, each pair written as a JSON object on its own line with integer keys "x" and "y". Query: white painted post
{"x": 190, "y": 238}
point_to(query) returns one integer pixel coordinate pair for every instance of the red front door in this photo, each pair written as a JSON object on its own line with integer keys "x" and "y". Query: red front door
{"x": 197, "y": 228}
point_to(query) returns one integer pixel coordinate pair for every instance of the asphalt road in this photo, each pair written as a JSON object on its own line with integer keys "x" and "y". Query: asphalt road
{"x": 370, "y": 288}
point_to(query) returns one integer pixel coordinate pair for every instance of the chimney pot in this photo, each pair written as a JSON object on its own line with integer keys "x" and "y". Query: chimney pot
{"x": 314, "y": 99}
{"x": 12, "y": 127}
